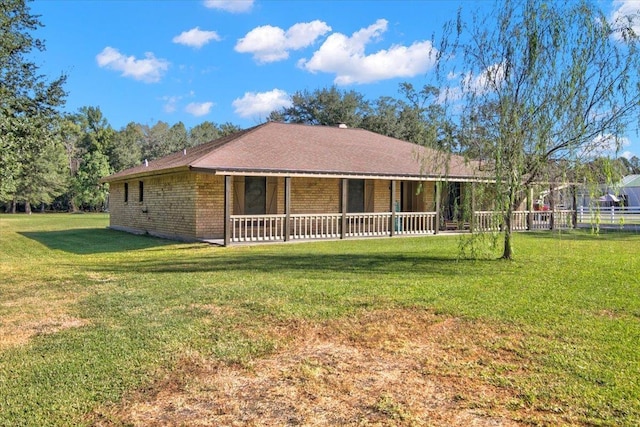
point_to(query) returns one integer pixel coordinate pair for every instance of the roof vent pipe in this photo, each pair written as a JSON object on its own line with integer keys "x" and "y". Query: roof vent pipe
{"x": 184, "y": 152}
{"x": 342, "y": 125}
{"x": 146, "y": 163}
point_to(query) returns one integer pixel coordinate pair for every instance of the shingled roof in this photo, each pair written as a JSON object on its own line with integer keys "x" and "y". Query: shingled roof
{"x": 302, "y": 150}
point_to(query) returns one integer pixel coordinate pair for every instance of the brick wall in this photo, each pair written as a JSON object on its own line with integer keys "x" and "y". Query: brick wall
{"x": 314, "y": 195}
{"x": 381, "y": 195}
{"x": 167, "y": 209}
{"x": 429, "y": 196}
{"x": 209, "y": 208}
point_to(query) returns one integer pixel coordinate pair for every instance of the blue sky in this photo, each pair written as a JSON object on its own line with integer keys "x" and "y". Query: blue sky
{"x": 235, "y": 61}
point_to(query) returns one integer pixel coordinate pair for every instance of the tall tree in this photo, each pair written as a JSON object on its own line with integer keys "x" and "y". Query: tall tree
{"x": 28, "y": 104}
{"x": 43, "y": 175}
{"x": 176, "y": 138}
{"x": 95, "y": 139}
{"x": 328, "y": 107}
{"x": 126, "y": 148}
{"x": 204, "y": 132}
{"x": 228, "y": 128}
{"x": 546, "y": 82}
{"x": 155, "y": 140}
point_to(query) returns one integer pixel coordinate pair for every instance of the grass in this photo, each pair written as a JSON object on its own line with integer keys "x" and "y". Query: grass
{"x": 97, "y": 324}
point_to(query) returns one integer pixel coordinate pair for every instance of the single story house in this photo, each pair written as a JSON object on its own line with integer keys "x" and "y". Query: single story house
{"x": 280, "y": 181}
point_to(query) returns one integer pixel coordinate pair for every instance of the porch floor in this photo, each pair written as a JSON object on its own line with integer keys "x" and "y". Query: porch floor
{"x": 220, "y": 242}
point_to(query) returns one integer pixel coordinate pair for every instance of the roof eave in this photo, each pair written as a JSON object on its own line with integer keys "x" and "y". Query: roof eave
{"x": 144, "y": 174}
{"x": 336, "y": 174}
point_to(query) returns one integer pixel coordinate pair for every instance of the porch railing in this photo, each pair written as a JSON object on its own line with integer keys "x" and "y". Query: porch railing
{"x": 256, "y": 228}
{"x": 524, "y": 220}
{"x": 315, "y": 226}
{"x": 415, "y": 223}
{"x": 368, "y": 224}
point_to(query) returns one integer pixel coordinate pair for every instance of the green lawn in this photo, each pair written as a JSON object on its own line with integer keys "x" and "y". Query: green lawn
{"x": 90, "y": 315}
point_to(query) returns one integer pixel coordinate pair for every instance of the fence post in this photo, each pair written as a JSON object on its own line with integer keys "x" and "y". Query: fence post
{"x": 613, "y": 215}
{"x": 581, "y": 216}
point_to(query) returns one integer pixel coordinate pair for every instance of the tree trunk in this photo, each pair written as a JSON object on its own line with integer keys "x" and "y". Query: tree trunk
{"x": 508, "y": 251}
{"x": 27, "y": 207}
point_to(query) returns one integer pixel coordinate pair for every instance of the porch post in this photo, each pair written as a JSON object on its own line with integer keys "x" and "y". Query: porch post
{"x": 574, "y": 213}
{"x": 393, "y": 208}
{"x": 472, "y": 222}
{"x": 343, "y": 207}
{"x": 552, "y": 208}
{"x": 227, "y": 210}
{"x": 438, "y": 191}
{"x": 287, "y": 208}
{"x": 530, "y": 209}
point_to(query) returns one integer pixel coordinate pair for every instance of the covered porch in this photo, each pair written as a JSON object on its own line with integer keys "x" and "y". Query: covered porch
{"x": 411, "y": 208}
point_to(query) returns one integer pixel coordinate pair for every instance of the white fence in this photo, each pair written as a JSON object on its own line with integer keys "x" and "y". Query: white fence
{"x": 608, "y": 215}
{"x": 257, "y": 228}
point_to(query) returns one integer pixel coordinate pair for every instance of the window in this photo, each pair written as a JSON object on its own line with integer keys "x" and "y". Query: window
{"x": 126, "y": 192}
{"x": 255, "y": 195}
{"x": 141, "y": 191}
{"x": 355, "y": 193}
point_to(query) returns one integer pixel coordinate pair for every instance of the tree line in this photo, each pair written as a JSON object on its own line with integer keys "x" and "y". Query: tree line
{"x": 86, "y": 148}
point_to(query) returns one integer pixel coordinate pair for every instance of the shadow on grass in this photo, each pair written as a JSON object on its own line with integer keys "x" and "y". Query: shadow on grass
{"x": 101, "y": 240}
{"x": 82, "y": 241}
{"x": 310, "y": 264}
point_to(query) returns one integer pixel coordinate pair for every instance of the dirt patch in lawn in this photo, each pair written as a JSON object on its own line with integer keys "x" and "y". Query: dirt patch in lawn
{"x": 392, "y": 367}
{"x": 23, "y": 318}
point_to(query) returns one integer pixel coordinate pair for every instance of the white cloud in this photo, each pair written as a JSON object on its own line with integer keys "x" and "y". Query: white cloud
{"x": 199, "y": 108}
{"x": 149, "y": 70}
{"x": 170, "y": 103}
{"x": 626, "y": 13}
{"x": 345, "y": 56}
{"x": 233, "y": 6}
{"x": 604, "y": 145}
{"x": 488, "y": 80}
{"x": 261, "y": 103}
{"x": 270, "y": 44}
{"x": 196, "y": 37}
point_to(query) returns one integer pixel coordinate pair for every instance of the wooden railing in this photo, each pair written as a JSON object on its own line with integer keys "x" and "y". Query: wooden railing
{"x": 415, "y": 223}
{"x": 486, "y": 221}
{"x": 315, "y": 226}
{"x": 368, "y": 224}
{"x": 257, "y": 228}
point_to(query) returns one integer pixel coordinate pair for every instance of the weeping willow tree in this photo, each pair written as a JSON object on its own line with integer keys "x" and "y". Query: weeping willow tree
{"x": 539, "y": 84}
